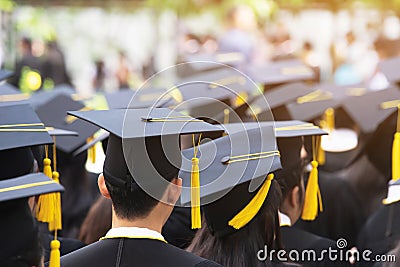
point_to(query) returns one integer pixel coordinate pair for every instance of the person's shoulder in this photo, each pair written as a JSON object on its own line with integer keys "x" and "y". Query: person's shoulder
{"x": 306, "y": 238}
{"x": 186, "y": 258}
{"x": 98, "y": 252}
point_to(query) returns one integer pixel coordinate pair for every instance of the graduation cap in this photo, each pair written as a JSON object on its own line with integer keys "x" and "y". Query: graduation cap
{"x": 17, "y": 216}
{"x": 275, "y": 100}
{"x": 369, "y": 110}
{"x": 323, "y": 96}
{"x": 389, "y": 68}
{"x": 233, "y": 175}
{"x": 142, "y": 98}
{"x": 52, "y": 110}
{"x": 288, "y": 134}
{"x": 208, "y": 93}
{"x": 206, "y": 61}
{"x": 144, "y": 143}
{"x": 278, "y": 72}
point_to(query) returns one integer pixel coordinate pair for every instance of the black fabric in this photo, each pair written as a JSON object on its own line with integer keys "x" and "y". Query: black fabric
{"x": 342, "y": 216}
{"x": 15, "y": 162}
{"x": 67, "y": 245}
{"x": 381, "y": 232}
{"x": 177, "y": 230}
{"x": 299, "y": 240}
{"x": 17, "y": 228}
{"x": 131, "y": 252}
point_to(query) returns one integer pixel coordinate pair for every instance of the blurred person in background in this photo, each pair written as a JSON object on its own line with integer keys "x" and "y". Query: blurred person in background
{"x": 97, "y": 221}
{"x": 28, "y": 68}
{"x": 240, "y": 34}
{"x": 124, "y": 71}
{"x": 54, "y": 69}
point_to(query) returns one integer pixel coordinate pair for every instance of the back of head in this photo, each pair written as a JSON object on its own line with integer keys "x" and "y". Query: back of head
{"x": 129, "y": 199}
{"x": 15, "y": 162}
{"x": 292, "y": 165}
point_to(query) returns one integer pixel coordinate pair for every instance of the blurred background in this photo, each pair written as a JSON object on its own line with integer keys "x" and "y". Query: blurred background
{"x": 105, "y": 45}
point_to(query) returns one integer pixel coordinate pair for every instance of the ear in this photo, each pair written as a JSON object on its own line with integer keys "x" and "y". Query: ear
{"x": 174, "y": 191}
{"x": 102, "y": 186}
{"x": 294, "y": 197}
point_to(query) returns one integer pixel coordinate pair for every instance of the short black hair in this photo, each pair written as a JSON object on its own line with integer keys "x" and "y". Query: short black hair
{"x": 130, "y": 201}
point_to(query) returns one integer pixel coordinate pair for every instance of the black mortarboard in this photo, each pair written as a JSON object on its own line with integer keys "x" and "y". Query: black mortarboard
{"x": 278, "y": 72}
{"x": 232, "y": 168}
{"x": 282, "y": 128}
{"x": 369, "y": 110}
{"x": 323, "y": 96}
{"x": 21, "y": 127}
{"x": 143, "y": 143}
{"x": 10, "y": 95}
{"x": 28, "y": 185}
{"x": 53, "y": 112}
{"x": 275, "y": 100}
{"x": 208, "y": 93}
{"x": 142, "y": 98}
{"x": 389, "y": 67}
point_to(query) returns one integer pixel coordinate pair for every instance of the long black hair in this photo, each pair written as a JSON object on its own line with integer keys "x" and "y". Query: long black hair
{"x": 240, "y": 248}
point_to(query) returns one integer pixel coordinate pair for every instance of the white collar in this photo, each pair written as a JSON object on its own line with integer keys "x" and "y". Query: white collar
{"x": 284, "y": 220}
{"x": 133, "y": 232}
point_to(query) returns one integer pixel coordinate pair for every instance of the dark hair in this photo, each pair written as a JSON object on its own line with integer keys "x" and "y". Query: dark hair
{"x": 30, "y": 255}
{"x": 292, "y": 170}
{"x": 241, "y": 247}
{"x": 130, "y": 201}
{"x": 97, "y": 221}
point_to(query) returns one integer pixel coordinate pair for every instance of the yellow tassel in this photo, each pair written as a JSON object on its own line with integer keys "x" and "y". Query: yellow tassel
{"x": 320, "y": 153}
{"x": 91, "y": 151}
{"x": 251, "y": 209}
{"x": 56, "y": 224}
{"x": 47, "y": 167}
{"x": 312, "y": 197}
{"x": 396, "y": 149}
{"x": 330, "y": 119}
{"x": 195, "y": 194}
{"x": 54, "y": 254}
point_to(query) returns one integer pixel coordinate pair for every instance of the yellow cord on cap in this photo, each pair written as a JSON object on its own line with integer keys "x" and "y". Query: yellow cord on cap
{"x": 48, "y": 208}
{"x": 320, "y": 151}
{"x": 396, "y": 149}
{"x": 253, "y": 207}
{"x": 330, "y": 119}
{"x": 195, "y": 188}
{"x": 312, "y": 197}
{"x": 91, "y": 151}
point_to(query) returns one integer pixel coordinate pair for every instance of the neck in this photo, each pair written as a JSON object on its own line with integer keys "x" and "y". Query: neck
{"x": 151, "y": 222}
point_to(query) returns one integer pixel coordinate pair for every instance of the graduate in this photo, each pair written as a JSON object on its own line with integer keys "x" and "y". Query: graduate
{"x": 21, "y": 130}
{"x": 240, "y": 198}
{"x": 140, "y": 176}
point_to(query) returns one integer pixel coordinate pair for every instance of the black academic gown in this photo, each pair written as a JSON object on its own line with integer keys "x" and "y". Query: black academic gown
{"x": 342, "y": 215}
{"x": 67, "y": 245}
{"x": 381, "y": 232}
{"x": 177, "y": 230}
{"x": 300, "y": 240}
{"x": 118, "y": 252}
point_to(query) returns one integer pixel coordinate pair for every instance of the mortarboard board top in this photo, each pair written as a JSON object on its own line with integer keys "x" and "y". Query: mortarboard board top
{"x": 53, "y": 112}
{"x": 145, "y": 122}
{"x": 21, "y": 127}
{"x": 27, "y": 185}
{"x": 282, "y": 128}
{"x": 278, "y": 72}
{"x": 322, "y": 97}
{"x": 389, "y": 67}
{"x": 142, "y": 98}
{"x": 369, "y": 110}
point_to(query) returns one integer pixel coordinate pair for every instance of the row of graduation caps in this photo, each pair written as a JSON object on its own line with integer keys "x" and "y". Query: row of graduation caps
{"x": 55, "y": 104}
